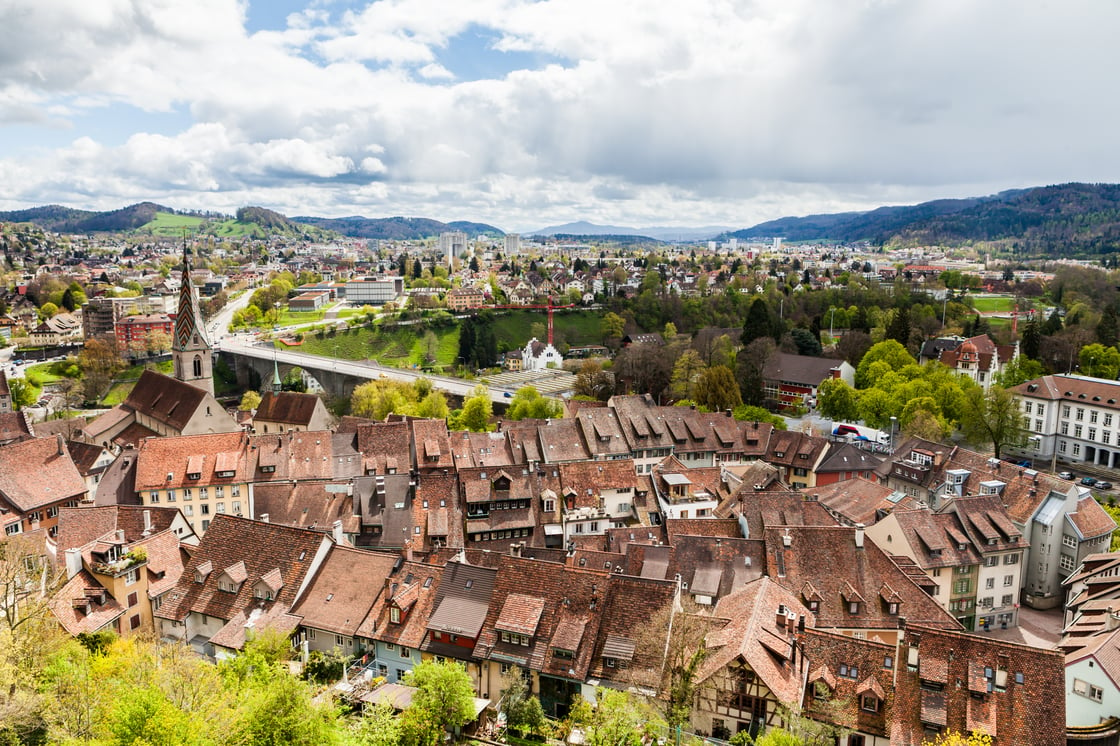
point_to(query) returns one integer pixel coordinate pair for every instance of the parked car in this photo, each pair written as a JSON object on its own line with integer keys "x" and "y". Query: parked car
{"x": 1065, "y": 474}
{"x": 1103, "y": 485}
{"x": 1088, "y": 481}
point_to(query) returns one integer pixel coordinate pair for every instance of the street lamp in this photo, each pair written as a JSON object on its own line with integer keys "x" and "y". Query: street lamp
{"x": 894, "y": 421}
{"x": 832, "y": 318}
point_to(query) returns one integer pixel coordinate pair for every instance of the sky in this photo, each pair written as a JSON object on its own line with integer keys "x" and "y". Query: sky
{"x": 526, "y": 114}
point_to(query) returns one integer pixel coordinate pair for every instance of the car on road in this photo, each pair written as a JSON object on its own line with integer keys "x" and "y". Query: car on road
{"x": 1065, "y": 475}
{"x": 507, "y": 395}
{"x": 1103, "y": 485}
{"x": 1088, "y": 481}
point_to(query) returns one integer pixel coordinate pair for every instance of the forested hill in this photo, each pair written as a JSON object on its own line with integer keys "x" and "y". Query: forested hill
{"x": 65, "y": 220}
{"x": 1067, "y": 219}
{"x": 396, "y": 228}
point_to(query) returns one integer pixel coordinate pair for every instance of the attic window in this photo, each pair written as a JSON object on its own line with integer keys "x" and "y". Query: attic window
{"x": 428, "y": 582}
{"x": 194, "y": 475}
{"x": 779, "y": 454}
{"x": 395, "y": 614}
{"x": 225, "y": 474}
{"x": 265, "y": 469}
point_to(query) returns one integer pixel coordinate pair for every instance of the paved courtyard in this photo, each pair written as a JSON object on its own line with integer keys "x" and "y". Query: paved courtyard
{"x": 1039, "y": 629}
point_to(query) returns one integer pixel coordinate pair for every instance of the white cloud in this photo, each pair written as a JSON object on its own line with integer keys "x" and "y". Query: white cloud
{"x": 706, "y": 112}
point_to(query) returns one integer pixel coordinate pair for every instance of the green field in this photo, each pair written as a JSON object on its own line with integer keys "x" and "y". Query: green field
{"x": 170, "y": 224}
{"x": 575, "y": 327}
{"x": 988, "y": 303}
{"x": 398, "y": 346}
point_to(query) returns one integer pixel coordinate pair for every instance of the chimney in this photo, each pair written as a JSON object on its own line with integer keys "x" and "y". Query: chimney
{"x": 859, "y": 536}
{"x": 515, "y": 549}
{"x": 787, "y": 540}
{"x": 264, "y": 518}
{"x": 74, "y": 563}
{"x": 147, "y": 522}
{"x": 780, "y": 619}
{"x": 336, "y": 533}
{"x": 120, "y": 534}
{"x": 408, "y": 550}
{"x": 61, "y": 445}
{"x": 938, "y": 458}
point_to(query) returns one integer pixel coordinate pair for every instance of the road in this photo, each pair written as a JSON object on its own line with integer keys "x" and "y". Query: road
{"x": 357, "y": 368}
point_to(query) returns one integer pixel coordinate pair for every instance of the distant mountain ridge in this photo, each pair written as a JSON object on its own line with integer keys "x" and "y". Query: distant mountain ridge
{"x": 660, "y": 233}
{"x": 1059, "y": 220}
{"x": 1073, "y": 219}
{"x": 396, "y": 228}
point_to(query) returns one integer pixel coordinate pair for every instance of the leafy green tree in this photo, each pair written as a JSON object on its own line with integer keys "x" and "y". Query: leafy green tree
{"x": 250, "y": 400}
{"x": 433, "y": 406}
{"x": 378, "y": 726}
{"x": 23, "y": 392}
{"x": 99, "y": 361}
{"x": 1099, "y": 361}
{"x": 444, "y": 697}
{"x": 1019, "y": 370}
{"x": 993, "y": 418}
{"x": 837, "y": 400}
{"x": 889, "y": 351}
{"x": 476, "y": 412}
{"x": 748, "y": 413}
{"x": 527, "y": 403}
{"x": 611, "y": 326}
{"x": 717, "y": 389}
{"x": 686, "y": 374}
{"x": 523, "y": 711}
{"x": 280, "y": 712}
{"x": 617, "y": 719}
{"x": 876, "y": 407}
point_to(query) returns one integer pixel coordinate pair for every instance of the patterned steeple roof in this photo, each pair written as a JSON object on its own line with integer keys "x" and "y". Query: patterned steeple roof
{"x": 188, "y": 321}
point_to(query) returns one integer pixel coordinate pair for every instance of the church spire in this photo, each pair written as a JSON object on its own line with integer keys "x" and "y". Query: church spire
{"x": 189, "y": 347}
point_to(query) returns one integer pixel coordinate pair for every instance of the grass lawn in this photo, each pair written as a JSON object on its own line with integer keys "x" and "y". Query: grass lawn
{"x": 573, "y": 327}
{"x": 399, "y": 346}
{"x": 290, "y": 318}
{"x": 985, "y": 303}
{"x": 44, "y": 373}
{"x": 169, "y": 224}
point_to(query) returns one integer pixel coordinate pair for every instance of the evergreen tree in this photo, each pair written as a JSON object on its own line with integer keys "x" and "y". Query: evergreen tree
{"x": 1053, "y": 324}
{"x": 1108, "y": 330}
{"x": 758, "y": 323}
{"x": 899, "y": 329}
{"x": 417, "y": 268}
{"x": 1031, "y": 342}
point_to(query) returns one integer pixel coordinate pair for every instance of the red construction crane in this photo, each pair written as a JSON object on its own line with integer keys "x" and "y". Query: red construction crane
{"x": 550, "y": 308}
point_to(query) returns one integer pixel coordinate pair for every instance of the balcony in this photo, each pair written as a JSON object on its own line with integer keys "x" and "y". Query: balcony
{"x": 129, "y": 560}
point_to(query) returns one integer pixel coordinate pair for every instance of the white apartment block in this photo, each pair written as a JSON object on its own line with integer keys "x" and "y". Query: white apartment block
{"x": 1071, "y": 420}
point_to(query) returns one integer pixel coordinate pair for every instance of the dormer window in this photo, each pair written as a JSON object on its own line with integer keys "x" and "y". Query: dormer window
{"x": 395, "y": 614}
{"x": 892, "y": 608}
{"x": 268, "y": 468}
{"x": 869, "y": 703}
{"x": 194, "y": 475}
{"x": 562, "y": 654}
{"x": 853, "y": 607}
